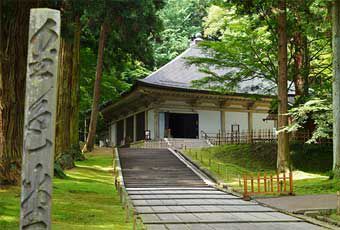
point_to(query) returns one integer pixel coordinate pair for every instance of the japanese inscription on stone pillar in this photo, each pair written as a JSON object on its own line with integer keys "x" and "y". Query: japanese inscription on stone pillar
{"x": 40, "y": 110}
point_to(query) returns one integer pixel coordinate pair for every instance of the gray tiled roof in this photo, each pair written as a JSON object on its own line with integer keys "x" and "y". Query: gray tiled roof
{"x": 179, "y": 74}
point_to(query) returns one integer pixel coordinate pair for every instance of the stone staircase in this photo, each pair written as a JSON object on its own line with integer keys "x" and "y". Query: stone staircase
{"x": 145, "y": 168}
{"x": 183, "y": 143}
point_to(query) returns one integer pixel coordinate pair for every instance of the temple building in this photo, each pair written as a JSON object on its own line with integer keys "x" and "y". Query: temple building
{"x": 165, "y": 104}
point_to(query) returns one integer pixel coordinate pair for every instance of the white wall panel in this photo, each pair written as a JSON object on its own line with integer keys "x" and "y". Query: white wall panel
{"x": 258, "y": 122}
{"x": 113, "y": 135}
{"x": 151, "y": 123}
{"x": 237, "y": 118}
{"x": 209, "y": 121}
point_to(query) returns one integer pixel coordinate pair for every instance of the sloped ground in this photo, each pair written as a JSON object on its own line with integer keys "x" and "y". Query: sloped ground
{"x": 85, "y": 200}
{"x": 229, "y": 162}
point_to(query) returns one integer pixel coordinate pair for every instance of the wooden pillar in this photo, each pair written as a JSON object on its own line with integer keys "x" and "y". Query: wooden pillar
{"x": 134, "y": 128}
{"x": 250, "y": 121}
{"x": 146, "y": 120}
{"x": 223, "y": 131}
{"x": 156, "y": 124}
{"x": 124, "y": 130}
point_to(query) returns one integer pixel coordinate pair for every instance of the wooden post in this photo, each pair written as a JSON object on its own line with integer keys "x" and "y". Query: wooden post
{"x": 291, "y": 183}
{"x": 40, "y": 111}
{"x": 134, "y": 220}
{"x": 265, "y": 182}
{"x": 258, "y": 182}
{"x": 271, "y": 183}
{"x": 284, "y": 183}
{"x": 245, "y": 186}
{"x": 338, "y": 199}
{"x": 252, "y": 183}
{"x": 278, "y": 181}
{"x": 127, "y": 213}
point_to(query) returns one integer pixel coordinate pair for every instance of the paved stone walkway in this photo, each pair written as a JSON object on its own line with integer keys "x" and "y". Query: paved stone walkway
{"x": 299, "y": 204}
{"x": 168, "y": 194}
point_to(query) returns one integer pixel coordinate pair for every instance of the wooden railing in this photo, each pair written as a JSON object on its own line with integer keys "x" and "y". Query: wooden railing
{"x": 256, "y": 136}
{"x": 279, "y": 183}
{"x": 243, "y": 137}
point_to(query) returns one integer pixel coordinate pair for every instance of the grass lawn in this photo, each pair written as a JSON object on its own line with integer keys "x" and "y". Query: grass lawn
{"x": 228, "y": 163}
{"x": 85, "y": 200}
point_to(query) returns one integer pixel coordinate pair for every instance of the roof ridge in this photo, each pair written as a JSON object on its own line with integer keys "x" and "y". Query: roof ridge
{"x": 170, "y": 62}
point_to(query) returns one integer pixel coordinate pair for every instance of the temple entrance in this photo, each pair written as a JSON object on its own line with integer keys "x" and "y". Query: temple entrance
{"x": 182, "y": 125}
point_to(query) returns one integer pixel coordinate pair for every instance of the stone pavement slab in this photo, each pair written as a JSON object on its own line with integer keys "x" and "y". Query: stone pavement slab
{"x": 299, "y": 204}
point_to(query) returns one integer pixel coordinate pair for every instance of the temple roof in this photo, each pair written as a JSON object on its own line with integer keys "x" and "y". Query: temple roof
{"x": 179, "y": 74}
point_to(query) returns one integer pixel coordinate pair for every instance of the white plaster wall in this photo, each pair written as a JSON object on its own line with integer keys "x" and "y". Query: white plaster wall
{"x": 161, "y": 124}
{"x": 258, "y": 122}
{"x": 151, "y": 124}
{"x": 209, "y": 121}
{"x": 240, "y": 118}
{"x": 113, "y": 135}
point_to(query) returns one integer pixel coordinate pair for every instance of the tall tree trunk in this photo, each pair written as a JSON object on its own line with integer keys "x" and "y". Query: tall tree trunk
{"x": 13, "y": 53}
{"x": 96, "y": 91}
{"x": 283, "y": 142}
{"x": 336, "y": 87}
{"x": 62, "y": 138}
{"x": 75, "y": 84}
{"x": 68, "y": 90}
{"x": 301, "y": 51}
{"x": 298, "y": 55}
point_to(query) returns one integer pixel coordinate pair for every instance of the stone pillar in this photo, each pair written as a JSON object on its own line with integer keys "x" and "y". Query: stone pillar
{"x": 40, "y": 110}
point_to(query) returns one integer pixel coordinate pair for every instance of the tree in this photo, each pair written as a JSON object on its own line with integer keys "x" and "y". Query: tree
{"x": 283, "y": 141}
{"x": 132, "y": 25}
{"x": 67, "y": 120}
{"x": 181, "y": 21}
{"x": 96, "y": 92}
{"x": 14, "y": 22}
{"x": 336, "y": 87}
{"x": 244, "y": 36}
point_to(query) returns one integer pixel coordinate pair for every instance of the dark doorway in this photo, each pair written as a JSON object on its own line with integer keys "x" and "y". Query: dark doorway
{"x": 140, "y": 126}
{"x": 129, "y": 130}
{"x": 182, "y": 125}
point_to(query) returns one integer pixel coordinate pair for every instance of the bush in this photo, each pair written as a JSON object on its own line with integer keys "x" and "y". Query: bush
{"x": 312, "y": 157}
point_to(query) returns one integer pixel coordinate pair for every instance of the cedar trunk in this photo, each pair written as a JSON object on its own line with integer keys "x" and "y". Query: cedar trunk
{"x": 283, "y": 142}
{"x": 96, "y": 91}
{"x": 14, "y": 23}
{"x": 75, "y": 85}
{"x": 298, "y": 55}
{"x": 68, "y": 91}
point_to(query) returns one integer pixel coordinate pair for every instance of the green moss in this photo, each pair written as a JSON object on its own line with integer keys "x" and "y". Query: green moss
{"x": 85, "y": 200}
